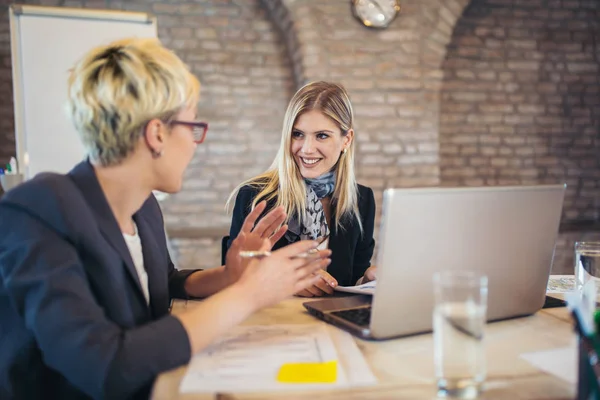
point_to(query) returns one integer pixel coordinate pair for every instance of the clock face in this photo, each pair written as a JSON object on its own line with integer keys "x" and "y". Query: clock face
{"x": 376, "y": 13}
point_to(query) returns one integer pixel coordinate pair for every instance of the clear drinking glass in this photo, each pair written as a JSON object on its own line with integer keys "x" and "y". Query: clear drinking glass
{"x": 587, "y": 264}
{"x": 459, "y": 319}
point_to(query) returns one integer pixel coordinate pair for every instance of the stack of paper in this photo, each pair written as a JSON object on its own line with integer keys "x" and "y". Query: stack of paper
{"x": 275, "y": 357}
{"x": 365, "y": 288}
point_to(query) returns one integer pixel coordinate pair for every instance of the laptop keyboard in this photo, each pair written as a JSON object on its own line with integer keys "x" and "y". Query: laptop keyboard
{"x": 359, "y": 316}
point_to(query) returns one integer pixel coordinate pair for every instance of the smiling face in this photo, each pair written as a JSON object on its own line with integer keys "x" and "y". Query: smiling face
{"x": 317, "y": 143}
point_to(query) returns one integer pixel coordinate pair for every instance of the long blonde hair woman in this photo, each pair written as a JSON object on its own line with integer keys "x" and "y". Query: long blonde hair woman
{"x": 312, "y": 178}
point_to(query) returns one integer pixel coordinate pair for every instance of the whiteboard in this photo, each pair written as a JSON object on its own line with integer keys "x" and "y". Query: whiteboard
{"x": 46, "y": 42}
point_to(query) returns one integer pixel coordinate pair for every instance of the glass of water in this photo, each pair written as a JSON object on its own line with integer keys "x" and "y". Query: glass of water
{"x": 587, "y": 264}
{"x": 459, "y": 318}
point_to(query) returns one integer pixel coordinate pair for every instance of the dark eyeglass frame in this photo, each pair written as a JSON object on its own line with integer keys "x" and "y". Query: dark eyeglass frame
{"x": 199, "y": 129}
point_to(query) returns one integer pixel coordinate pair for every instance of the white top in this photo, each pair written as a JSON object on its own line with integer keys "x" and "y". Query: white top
{"x": 135, "y": 249}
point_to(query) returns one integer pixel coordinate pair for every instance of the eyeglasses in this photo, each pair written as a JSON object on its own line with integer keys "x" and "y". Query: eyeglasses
{"x": 199, "y": 129}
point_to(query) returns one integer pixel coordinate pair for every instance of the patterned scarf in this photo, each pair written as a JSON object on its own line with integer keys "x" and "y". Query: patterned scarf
{"x": 315, "y": 225}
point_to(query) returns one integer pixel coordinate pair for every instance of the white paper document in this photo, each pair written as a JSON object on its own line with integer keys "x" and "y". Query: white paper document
{"x": 249, "y": 358}
{"x": 560, "y": 284}
{"x": 561, "y": 362}
{"x": 365, "y": 288}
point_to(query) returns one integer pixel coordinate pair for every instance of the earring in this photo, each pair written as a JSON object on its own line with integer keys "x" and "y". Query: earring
{"x": 344, "y": 151}
{"x": 156, "y": 154}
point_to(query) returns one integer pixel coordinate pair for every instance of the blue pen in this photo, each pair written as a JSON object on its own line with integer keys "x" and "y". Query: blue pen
{"x": 1, "y": 171}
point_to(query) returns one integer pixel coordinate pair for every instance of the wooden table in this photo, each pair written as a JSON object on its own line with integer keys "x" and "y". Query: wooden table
{"x": 404, "y": 367}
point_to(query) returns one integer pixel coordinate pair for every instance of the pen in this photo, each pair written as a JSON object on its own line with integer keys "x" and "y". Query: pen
{"x": 262, "y": 254}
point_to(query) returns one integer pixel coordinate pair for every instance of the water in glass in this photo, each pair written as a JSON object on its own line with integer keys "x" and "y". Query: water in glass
{"x": 459, "y": 352}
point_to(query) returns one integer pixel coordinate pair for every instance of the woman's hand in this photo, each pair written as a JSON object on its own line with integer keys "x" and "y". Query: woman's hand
{"x": 282, "y": 274}
{"x": 254, "y": 238}
{"x": 262, "y": 283}
{"x": 269, "y": 227}
{"x": 370, "y": 274}
{"x": 324, "y": 285}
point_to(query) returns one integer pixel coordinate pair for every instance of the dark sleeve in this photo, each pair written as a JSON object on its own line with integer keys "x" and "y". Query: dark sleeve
{"x": 46, "y": 283}
{"x": 243, "y": 206}
{"x": 177, "y": 277}
{"x": 366, "y": 243}
{"x": 177, "y": 280}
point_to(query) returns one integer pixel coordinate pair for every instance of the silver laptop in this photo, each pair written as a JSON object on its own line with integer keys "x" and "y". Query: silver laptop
{"x": 507, "y": 233}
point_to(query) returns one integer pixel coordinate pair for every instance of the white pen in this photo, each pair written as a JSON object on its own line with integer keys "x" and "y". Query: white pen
{"x": 261, "y": 254}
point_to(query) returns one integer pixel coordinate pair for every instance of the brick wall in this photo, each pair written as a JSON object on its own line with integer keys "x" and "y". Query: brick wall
{"x": 393, "y": 77}
{"x": 521, "y": 99}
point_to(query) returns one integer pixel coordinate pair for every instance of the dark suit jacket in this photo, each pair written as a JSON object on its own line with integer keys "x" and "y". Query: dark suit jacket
{"x": 74, "y": 322}
{"x": 351, "y": 250}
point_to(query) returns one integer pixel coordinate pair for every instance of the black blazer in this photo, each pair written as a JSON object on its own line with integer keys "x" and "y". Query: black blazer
{"x": 74, "y": 322}
{"x": 351, "y": 250}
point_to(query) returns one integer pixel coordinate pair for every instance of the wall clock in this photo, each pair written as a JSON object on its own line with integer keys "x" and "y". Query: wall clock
{"x": 375, "y": 13}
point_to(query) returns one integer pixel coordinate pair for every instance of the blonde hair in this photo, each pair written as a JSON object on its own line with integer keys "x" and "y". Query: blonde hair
{"x": 283, "y": 180}
{"x": 114, "y": 90}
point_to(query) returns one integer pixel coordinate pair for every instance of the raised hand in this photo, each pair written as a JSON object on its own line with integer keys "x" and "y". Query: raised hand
{"x": 269, "y": 227}
{"x": 260, "y": 237}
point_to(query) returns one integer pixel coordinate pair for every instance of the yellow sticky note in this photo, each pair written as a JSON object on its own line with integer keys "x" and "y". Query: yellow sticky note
{"x": 325, "y": 372}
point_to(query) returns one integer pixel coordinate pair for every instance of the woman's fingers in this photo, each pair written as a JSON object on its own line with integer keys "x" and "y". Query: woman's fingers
{"x": 315, "y": 290}
{"x": 270, "y": 222}
{"x": 370, "y": 274}
{"x": 253, "y": 216}
{"x": 312, "y": 268}
{"x": 323, "y": 286}
{"x": 304, "y": 293}
{"x": 330, "y": 280}
{"x": 278, "y": 235}
{"x": 307, "y": 282}
{"x": 270, "y": 226}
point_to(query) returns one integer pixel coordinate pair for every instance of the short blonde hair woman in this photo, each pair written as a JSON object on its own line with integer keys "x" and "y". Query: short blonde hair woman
{"x": 86, "y": 275}
{"x": 312, "y": 178}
